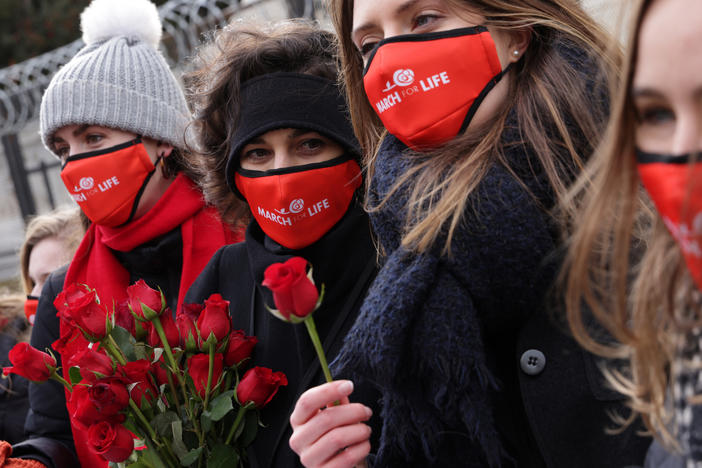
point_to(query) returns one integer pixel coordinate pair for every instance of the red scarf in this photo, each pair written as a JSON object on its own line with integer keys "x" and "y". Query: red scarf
{"x": 202, "y": 232}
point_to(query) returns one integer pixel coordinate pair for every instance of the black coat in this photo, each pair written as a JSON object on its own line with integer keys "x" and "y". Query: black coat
{"x": 344, "y": 260}
{"x": 457, "y": 343}
{"x": 159, "y": 263}
{"x": 14, "y": 400}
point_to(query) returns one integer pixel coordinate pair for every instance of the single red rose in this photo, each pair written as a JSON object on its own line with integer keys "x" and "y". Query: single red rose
{"x": 198, "y": 367}
{"x": 30, "y": 363}
{"x": 214, "y": 318}
{"x": 137, "y": 372}
{"x": 78, "y": 304}
{"x": 93, "y": 364}
{"x": 293, "y": 292}
{"x": 74, "y": 298}
{"x": 186, "y": 329}
{"x": 169, "y": 328}
{"x": 259, "y": 385}
{"x": 84, "y": 410}
{"x": 113, "y": 442}
{"x": 239, "y": 347}
{"x": 109, "y": 395}
{"x": 140, "y": 294}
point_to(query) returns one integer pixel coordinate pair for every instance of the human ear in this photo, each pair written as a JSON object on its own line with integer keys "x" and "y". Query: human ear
{"x": 164, "y": 149}
{"x": 518, "y": 43}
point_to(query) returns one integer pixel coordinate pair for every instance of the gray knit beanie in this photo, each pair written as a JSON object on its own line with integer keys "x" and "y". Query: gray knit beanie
{"x": 119, "y": 79}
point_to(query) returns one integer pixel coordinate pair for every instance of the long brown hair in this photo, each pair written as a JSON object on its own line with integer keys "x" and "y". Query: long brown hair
{"x": 235, "y": 54}
{"x": 557, "y": 107}
{"x": 623, "y": 266}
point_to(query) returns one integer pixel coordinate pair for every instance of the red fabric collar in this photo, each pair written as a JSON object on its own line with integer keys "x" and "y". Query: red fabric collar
{"x": 202, "y": 232}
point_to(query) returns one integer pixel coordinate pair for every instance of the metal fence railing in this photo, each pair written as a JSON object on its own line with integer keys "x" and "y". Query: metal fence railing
{"x": 28, "y": 174}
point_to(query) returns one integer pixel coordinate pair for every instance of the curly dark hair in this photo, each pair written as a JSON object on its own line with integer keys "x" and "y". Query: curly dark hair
{"x": 232, "y": 56}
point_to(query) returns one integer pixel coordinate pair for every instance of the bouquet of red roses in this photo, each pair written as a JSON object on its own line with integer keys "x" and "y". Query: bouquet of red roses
{"x": 151, "y": 390}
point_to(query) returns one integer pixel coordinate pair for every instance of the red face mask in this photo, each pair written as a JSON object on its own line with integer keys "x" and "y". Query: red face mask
{"x": 426, "y": 87}
{"x": 107, "y": 184}
{"x": 296, "y": 206}
{"x": 30, "y": 308}
{"x": 675, "y": 186}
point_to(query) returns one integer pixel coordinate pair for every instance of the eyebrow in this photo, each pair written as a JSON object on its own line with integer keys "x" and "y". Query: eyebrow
{"x": 645, "y": 93}
{"x": 398, "y": 11}
{"x": 653, "y": 93}
{"x": 296, "y": 133}
{"x": 77, "y": 132}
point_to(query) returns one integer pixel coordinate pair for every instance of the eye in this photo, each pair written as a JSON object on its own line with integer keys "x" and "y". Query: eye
{"x": 254, "y": 154}
{"x": 61, "y": 151}
{"x": 424, "y": 19}
{"x": 655, "y": 115}
{"x": 94, "y": 138}
{"x": 367, "y": 48}
{"x": 312, "y": 145}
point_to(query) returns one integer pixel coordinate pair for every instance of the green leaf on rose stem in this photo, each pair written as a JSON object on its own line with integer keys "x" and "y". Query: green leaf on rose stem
{"x": 150, "y": 457}
{"x": 74, "y": 375}
{"x": 140, "y": 351}
{"x": 294, "y": 319}
{"x": 162, "y": 423}
{"x": 220, "y": 406}
{"x": 190, "y": 439}
{"x": 191, "y": 457}
{"x": 222, "y": 456}
{"x": 125, "y": 342}
{"x": 206, "y": 421}
{"x": 250, "y": 428}
{"x": 139, "y": 464}
{"x": 178, "y": 445}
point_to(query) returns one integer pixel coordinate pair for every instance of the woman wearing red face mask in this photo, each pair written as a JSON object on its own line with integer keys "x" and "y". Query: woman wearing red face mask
{"x": 268, "y": 100}
{"x": 651, "y": 304}
{"x": 474, "y": 116}
{"x": 116, "y": 116}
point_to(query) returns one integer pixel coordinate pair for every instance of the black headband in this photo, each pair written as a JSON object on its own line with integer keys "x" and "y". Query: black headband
{"x": 290, "y": 100}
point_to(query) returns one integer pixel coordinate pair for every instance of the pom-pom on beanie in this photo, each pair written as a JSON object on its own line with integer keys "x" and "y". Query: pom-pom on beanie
{"x": 119, "y": 79}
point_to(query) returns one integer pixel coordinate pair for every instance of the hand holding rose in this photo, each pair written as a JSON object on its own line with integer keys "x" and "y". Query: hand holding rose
{"x": 335, "y": 437}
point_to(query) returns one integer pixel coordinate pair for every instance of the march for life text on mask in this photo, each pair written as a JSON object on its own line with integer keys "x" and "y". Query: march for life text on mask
{"x": 674, "y": 184}
{"x": 426, "y": 87}
{"x": 107, "y": 184}
{"x": 296, "y": 206}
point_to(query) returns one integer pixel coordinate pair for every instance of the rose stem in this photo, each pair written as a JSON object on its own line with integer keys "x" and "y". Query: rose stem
{"x": 209, "y": 376}
{"x": 312, "y": 330}
{"x": 235, "y": 424}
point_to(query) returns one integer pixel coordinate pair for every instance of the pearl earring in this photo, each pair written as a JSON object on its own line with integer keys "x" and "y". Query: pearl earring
{"x": 516, "y": 53}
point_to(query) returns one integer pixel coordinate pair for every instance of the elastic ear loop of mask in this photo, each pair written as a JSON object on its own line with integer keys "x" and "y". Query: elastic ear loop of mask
{"x": 135, "y": 205}
{"x": 476, "y": 104}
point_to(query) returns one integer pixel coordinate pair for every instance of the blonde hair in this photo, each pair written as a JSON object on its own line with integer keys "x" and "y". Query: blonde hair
{"x": 12, "y": 308}
{"x": 549, "y": 94}
{"x": 64, "y": 224}
{"x": 624, "y": 268}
